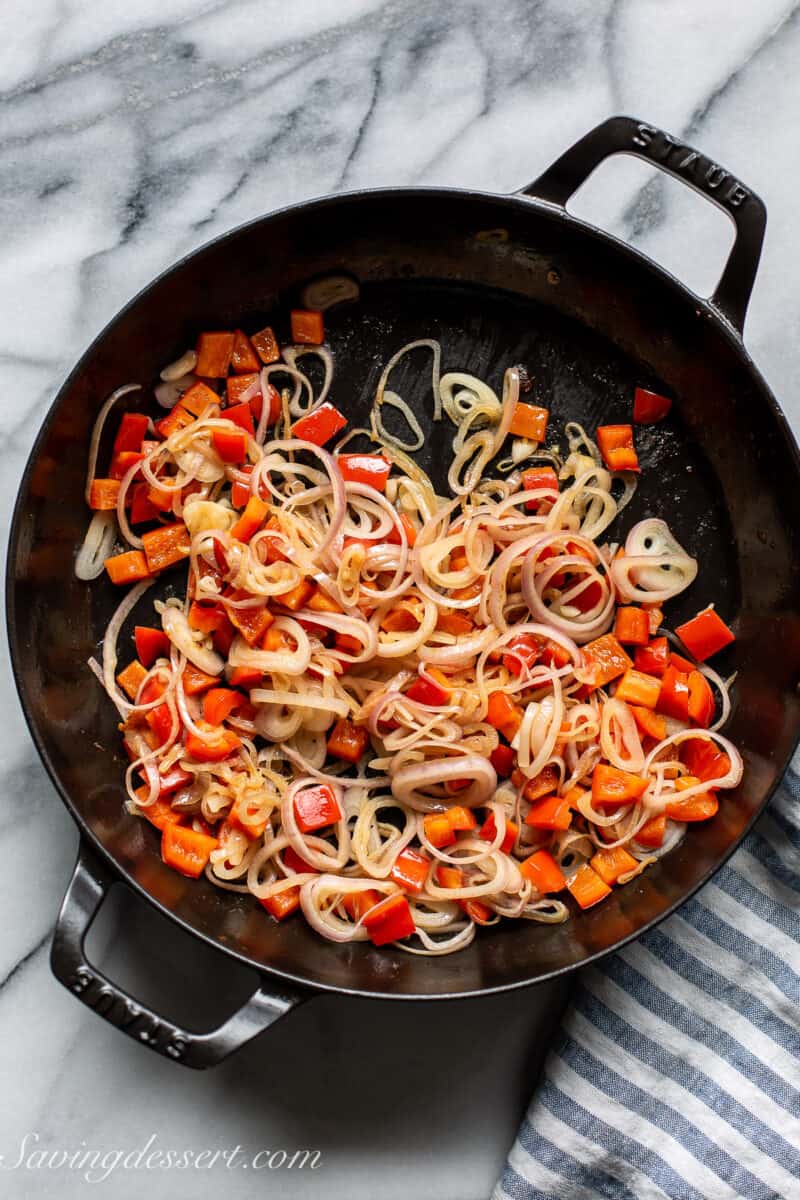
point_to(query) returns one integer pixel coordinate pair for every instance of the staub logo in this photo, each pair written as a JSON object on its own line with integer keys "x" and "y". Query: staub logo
{"x": 705, "y": 174}
{"x": 126, "y": 1015}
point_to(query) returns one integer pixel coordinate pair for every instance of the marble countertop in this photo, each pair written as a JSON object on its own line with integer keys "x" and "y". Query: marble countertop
{"x": 130, "y": 134}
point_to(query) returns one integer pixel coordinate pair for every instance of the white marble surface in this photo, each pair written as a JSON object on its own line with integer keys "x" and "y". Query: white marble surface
{"x": 131, "y": 132}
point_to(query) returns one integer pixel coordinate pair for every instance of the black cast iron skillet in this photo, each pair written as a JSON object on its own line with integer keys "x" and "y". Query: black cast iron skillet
{"x": 499, "y": 280}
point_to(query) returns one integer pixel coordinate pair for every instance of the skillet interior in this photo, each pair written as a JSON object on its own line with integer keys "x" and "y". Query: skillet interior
{"x": 590, "y": 320}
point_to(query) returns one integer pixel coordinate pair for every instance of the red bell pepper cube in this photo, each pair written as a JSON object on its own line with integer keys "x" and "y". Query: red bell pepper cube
{"x": 230, "y": 444}
{"x": 348, "y": 741}
{"x": 529, "y": 422}
{"x": 175, "y": 779}
{"x": 282, "y": 904}
{"x": 503, "y": 759}
{"x": 266, "y": 345}
{"x": 673, "y": 699}
{"x": 705, "y": 634}
{"x": 142, "y": 507}
{"x": 433, "y": 691}
{"x": 390, "y": 920}
{"x": 542, "y": 480}
{"x": 606, "y": 660}
{"x": 214, "y": 352}
{"x": 241, "y": 415}
{"x": 632, "y": 626}
{"x": 370, "y": 469}
{"x": 615, "y": 443}
{"x": 320, "y": 425}
{"x": 316, "y": 807}
{"x": 410, "y": 870}
{"x": 130, "y": 435}
{"x": 244, "y": 359}
{"x": 488, "y": 833}
{"x": 649, "y": 407}
{"x": 653, "y": 659}
{"x": 523, "y": 650}
{"x": 150, "y": 644}
{"x": 307, "y": 327}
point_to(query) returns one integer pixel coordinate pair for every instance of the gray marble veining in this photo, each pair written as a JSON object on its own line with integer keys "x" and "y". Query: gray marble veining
{"x": 131, "y": 133}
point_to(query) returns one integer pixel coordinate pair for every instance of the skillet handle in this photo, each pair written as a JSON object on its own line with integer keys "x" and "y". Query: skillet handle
{"x": 626, "y": 135}
{"x": 88, "y": 888}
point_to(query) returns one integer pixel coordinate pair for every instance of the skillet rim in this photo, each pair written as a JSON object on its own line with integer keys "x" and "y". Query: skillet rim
{"x": 518, "y": 200}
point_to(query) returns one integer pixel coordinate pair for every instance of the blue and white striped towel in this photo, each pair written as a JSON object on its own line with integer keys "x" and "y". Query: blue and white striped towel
{"x": 678, "y": 1072}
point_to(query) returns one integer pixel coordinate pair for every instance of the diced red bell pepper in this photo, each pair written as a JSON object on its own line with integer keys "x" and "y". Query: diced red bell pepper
{"x": 150, "y": 644}
{"x": 103, "y": 495}
{"x": 390, "y": 921}
{"x": 615, "y": 443}
{"x": 160, "y": 721}
{"x": 523, "y": 650}
{"x": 244, "y": 359}
{"x": 307, "y": 327}
{"x": 410, "y": 870}
{"x": 130, "y": 680}
{"x": 632, "y": 626}
{"x": 653, "y": 659}
{"x": 370, "y": 469}
{"x": 587, "y": 887}
{"x": 637, "y": 688}
{"x": 701, "y": 700}
{"x": 241, "y": 415}
{"x": 503, "y": 759}
{"x": 283, "y": 903}
{"x": 433, "y": 691}
{"x": 649, "y": 407}
{"x": 246, "y": 678}
{"x": 195, "y": 681}
{"x": 529, "y": 422}
{"x": 266, "y": 345}
{"x": 142, "y": 507}
{"x": 166, "y": 545}
{"x": 542, "y": 480}
{"x": 606, "y": 660}
{"x": 612, "y": 786}
{"x": 121, "y": 463}
{"x": 348, "y": 741}
{"x": 214, "y": 352}
{"x": 240, "y": 492}
{"x": 551, "y": 812}
{"x": 698, "y": 807}
{"x": 186, "y": 850}
{"x": 704, "y": 759}
{"x": 649, "y": 723}
{"x": 673, "y": 698}
{"x": 219, "y": 703}
{"x": 175, "y": 779}
{"x": 652, "y": 832}
{"x": 230, "y": 444}
{"x": 409, "y": 529}
{"x": 221, "y": 746}
{"x": 316, "y": 807}
{"x": 129, "y": 567}
{"x": 131, "y": 433}
{"x": 251, "y": 520}
{"x": 295, "y": 862}
{"x": 242, "y": 389}
{"x": 504, "y": 715}
{"x": 488, "y": 833}
{"x": 542, "y": 870}
{"x": 705, "y": 634}
{"x": 438, "y": 830}
{"x": 320, "y": 425}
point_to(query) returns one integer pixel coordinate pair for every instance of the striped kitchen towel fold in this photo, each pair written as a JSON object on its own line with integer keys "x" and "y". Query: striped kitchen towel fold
{"x": 678, "y": 1071}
